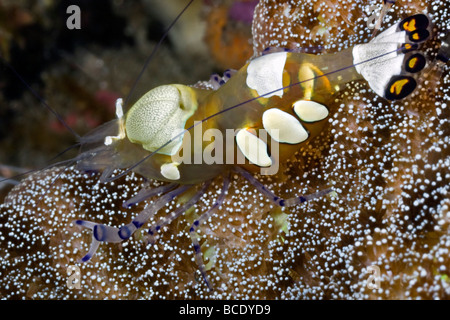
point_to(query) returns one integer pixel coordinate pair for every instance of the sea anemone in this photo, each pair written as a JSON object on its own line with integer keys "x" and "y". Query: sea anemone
{"x": 387, "y": 163}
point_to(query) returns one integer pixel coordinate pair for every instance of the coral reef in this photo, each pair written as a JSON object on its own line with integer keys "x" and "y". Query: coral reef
{"x": 387, "y": 162}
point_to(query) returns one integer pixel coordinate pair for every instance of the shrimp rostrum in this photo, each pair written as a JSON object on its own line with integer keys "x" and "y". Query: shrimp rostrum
{"x": 257, "y": 117}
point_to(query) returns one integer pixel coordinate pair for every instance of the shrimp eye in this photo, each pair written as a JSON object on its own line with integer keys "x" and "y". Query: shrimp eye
{"x": 400, "y": 87}
{"x": 159, "y": 116}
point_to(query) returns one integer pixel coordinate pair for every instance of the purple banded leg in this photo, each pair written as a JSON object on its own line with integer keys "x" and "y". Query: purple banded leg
{"x": 147, "y": 193}
{"x": 275, "y": 199}
{"x": 104, "y": 233}
{"x": 178, "y": 211}
{"x": 149, "y": 212}
{"x": 100, "y": 233}
{"x": 216, "y": 81}
{"x": 197, "y": 223}
{"x": 106, "y": 174}
{"x": 228, "y": 74}
{"x": 95, "y": 242}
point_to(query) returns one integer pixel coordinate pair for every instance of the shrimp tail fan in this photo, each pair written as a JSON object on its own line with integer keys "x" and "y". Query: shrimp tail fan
{"x": 391, "y": 62}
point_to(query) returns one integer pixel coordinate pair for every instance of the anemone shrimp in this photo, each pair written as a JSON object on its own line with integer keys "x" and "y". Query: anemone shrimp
{"x": 175, "y": 172}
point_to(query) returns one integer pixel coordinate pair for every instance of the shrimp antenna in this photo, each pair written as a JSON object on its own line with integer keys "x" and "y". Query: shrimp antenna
{"x": 47, "y": 167}
{"x": 150, "y": 57}
{"x": 239, "y": 105}
{"x": 56, "y": 114}
{"x": 41, "y": 100}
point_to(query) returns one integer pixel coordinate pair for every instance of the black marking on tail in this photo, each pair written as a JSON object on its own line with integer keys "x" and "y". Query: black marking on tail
{"x": 415, "y": 63}
{"x": 416, "y": 27}
{"x": 415, "y": 22}
{"x": 400, "y": 87}
{"x": 419, "y": 36}
{"x": 396, "y": 76}
{"x": 408, "y": 47}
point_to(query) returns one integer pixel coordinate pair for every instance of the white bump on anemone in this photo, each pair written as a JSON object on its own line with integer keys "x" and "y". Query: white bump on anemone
{"x": 253, "y": 148}
{"x": 170, "y": 171}
{"x": 265, "y": 74}
{"x": 283, "y": 127}
{"x": 310, "y": 111}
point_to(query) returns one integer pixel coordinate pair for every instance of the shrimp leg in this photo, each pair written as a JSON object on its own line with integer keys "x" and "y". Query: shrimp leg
{"x": 179, "y": 211}
{"x": 104, "y": 233}
{"x": 196, "y": 224}
{"x": 274, "y": 198}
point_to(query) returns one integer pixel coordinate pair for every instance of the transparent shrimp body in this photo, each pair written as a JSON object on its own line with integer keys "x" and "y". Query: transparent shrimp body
{"x": 286, "y": 95}
{"x": 291, "y": 115}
